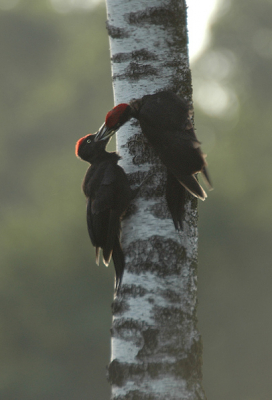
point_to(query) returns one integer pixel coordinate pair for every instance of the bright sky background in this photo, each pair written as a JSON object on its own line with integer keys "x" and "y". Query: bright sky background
{"x": 200, "y": 15}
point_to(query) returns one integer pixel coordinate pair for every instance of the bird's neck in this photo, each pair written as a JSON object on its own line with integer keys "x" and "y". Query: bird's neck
{"x": 105, "y": 156}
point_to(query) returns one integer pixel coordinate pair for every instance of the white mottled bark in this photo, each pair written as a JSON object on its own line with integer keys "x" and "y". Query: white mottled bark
{"x": 156, "y": 347}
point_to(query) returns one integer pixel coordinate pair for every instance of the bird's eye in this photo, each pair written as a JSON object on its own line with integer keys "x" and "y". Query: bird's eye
{"x": 89, "y": 141}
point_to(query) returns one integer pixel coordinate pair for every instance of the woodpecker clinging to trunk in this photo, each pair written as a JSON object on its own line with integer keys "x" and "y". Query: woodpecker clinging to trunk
{"x": 108, "y": 194}
{"x": 165, "y": 121}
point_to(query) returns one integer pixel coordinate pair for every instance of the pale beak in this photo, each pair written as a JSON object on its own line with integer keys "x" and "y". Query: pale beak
{"x": 104, "y": 133}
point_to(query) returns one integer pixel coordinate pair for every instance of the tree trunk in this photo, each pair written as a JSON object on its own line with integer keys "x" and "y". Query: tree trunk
{"x": 156, "y": 347}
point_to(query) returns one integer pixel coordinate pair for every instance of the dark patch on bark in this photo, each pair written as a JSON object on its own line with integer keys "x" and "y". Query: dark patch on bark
{"x": 193, "y": 268}
{"x": 168, "y": 315}
{"x": 170, "y": 254}
{"x": 137, "y": 178}
{"x": 143, "y": 55}
{"x": 188, "y": 368}
{"x": 123, "y": 325}
{"x": 132, "y": 291}
{"x": 120, "y": 57}
{"x": 194, "y": 360}
{"x": 147, "y": 185}
{"x": 152, "y": 182}
{"x": 171, "y": 17}
{"x": 193, "y": 217}
{"x": 156, "y": 188}
{"x": 154, "y": 370}
{"x": 182, "y": 87}
{"x": 119, "y": 306}
{"x": 140, "y": 150}
{"x": 135, "y": 122}
{"x": 119, "y": 372}
{"x": 166, "y": 16}
{"x": 135, "y": 71}
{"x": 115, "y": 375}
{"x": 181, "y": 80}
{"x": 136, "y": 395}
{"x": 136, "y": 56}
{"x": 115, "y": 32}
{"x": 160, "y": 210}
{"x": 142, "y": 184}
{"x": 185, "y": 89}
{"x": 142, "y": 153}
{"x": 150, "y": 337}
{"x": 172, "y": 296}
{"x": 173, "y": 63}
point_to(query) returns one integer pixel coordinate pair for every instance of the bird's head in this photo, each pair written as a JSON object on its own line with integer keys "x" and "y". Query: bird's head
{"x": 115, "y": 118}
{"x": 88, "y": 149}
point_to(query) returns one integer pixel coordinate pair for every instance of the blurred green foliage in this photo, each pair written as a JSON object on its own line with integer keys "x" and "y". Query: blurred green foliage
{"x": 235, "y": 222}
{"x": 55, "y": 302}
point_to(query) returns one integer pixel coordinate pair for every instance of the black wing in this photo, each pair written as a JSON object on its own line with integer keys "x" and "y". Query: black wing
{"x": 112, "y": 197}
{"x": 175, "y": 197}
{"x": 165, "y": 110}
{"x": 165, "y": 121}
{"x": 101, "y": 203}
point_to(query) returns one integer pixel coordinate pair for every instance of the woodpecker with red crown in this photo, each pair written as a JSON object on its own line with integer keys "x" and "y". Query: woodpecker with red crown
{"x": 108, "y": 194}
{"x": 165, "y": 121}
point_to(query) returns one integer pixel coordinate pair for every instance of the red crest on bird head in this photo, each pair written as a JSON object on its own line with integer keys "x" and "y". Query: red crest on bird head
{"x": 79, "y": 142}
{"x": 113, "y": 116}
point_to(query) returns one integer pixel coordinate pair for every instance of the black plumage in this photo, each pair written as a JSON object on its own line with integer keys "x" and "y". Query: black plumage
{"x": 165, "y": 121}
{"x": 108, "y": 194}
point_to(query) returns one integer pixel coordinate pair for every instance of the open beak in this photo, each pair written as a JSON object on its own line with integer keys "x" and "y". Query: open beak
{"x": 104, "y": 133}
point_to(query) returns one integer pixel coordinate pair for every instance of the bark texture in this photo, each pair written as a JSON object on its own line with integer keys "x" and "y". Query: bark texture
{"x": 156, "y": 347}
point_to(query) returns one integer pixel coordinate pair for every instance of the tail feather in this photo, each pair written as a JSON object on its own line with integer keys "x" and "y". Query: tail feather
{"x": 97, "y": 255}
{"x": 119, "y": 263}
{"x": 207, "y": 178}
{"x": 112, "y": 233}
{"x": 192, "y": 185}
{"x": 175, "y": 197}
{"x": 113, "y": 248}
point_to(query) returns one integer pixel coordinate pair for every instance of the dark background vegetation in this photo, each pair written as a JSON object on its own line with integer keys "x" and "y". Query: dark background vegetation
{"x": 54, "y": 301}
